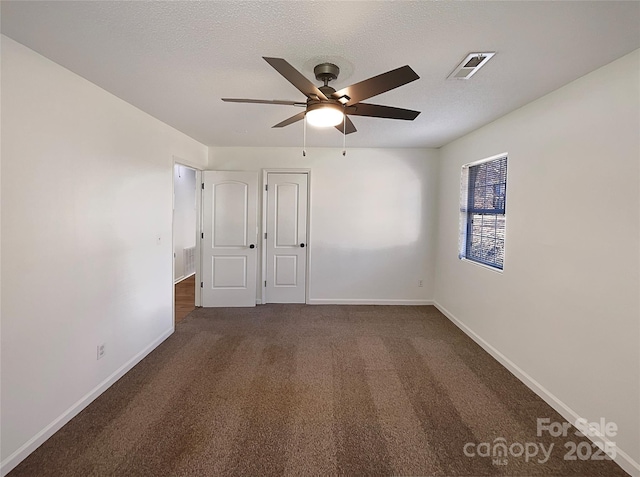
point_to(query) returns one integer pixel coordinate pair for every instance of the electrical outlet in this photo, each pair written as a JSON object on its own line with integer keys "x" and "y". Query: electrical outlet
{"x": 419, "y": 283}
{"x": 101, "y": 351}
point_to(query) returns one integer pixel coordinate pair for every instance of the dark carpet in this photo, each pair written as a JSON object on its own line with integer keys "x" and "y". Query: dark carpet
{"x": 314, "y": 390}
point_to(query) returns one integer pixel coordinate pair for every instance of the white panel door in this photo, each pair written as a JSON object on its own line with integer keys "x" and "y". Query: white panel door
{"x": 286, "y": 238}
{"x": 229, "y": 243}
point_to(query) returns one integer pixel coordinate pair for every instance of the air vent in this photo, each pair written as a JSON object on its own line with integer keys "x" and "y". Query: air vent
{"x": 472, "y": 63}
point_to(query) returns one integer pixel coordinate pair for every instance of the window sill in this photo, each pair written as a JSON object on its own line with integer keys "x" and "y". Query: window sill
{"x": 478, "y": 264}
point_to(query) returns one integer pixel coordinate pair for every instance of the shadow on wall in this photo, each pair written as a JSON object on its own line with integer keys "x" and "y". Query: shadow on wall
{"x": 371, "y": 231}
{"x": 386, "y": 212}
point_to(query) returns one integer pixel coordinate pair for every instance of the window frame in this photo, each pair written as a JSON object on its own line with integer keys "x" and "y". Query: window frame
{"x": 466, "y": 213}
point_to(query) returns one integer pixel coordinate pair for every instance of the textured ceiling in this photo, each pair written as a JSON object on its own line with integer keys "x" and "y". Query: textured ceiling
{"x": 175, "y": 60}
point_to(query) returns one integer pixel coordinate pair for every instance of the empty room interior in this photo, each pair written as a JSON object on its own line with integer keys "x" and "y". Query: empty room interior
{"x": 320, "y": 238}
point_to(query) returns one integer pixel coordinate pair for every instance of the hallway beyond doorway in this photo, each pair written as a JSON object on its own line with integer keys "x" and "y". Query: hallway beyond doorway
{"x": 185, "y": 297}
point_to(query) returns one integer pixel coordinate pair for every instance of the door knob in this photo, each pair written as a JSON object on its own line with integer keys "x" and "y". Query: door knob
{"x": 252, "y": 246}
{"x": 302, "y": 245}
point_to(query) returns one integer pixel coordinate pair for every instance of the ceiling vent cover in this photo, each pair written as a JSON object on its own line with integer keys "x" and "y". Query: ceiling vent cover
{"x": 472, "y": 63}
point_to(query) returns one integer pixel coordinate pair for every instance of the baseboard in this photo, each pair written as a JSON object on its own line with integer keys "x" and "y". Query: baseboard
{"x": 183, "y": 277}
{"x": 365, "y": 301}
{"x": 623, "y": 459}
{"x": 36, "y": 441}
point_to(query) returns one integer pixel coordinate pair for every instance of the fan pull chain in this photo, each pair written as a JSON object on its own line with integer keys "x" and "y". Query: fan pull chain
{"x": 304, "y": 136}
{"x": 344, "y": 136}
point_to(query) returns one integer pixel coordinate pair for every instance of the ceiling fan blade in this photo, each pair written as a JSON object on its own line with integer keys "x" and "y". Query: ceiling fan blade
{"x": 377, "y": 85}
{"x": 295, "y": 78}
{"x": 263, "y": 101}
{"x": 291, "y": 120}
{"x": 350, "y": 127}
{"x": 377, "y": 111}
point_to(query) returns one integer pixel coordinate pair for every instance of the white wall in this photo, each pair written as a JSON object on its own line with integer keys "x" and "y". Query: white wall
{"x": 372, "y": 219}
{"x": 184, "y": 215}
{"x": 566, "y": 309}
{"x": 86, "y": 197}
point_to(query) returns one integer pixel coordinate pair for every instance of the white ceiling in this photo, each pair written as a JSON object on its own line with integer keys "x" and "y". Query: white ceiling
{"x": 175, "y": 60}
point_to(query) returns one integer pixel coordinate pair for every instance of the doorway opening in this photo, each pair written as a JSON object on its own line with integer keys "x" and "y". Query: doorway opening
{"x": 185, "y": 229}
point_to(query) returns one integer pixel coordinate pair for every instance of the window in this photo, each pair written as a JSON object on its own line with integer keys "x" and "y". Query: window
{"x": 483, "y": 194}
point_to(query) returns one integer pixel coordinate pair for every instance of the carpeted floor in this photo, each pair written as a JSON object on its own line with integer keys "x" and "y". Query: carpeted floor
{"x": 312, "y": 390}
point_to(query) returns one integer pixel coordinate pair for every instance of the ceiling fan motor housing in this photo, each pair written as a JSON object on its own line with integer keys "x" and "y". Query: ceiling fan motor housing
{"x": 327, "y": 91}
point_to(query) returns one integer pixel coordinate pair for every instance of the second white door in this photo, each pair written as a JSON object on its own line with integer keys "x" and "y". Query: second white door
{"x": 286, "y": 253}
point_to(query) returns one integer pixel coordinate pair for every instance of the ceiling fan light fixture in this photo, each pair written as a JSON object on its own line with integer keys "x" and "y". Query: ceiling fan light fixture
{"x": 324, "y": 115}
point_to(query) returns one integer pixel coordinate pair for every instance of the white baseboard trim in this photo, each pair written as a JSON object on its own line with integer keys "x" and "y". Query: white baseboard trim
{"x": 36, "y": 441}
{"x": 366, "y": 301}
{"x": 623, "y": 459}
{"x": 183, "y": 277}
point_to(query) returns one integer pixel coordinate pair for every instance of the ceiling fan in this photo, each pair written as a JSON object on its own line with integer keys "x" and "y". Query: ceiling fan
{"x": 327, "y": 107}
